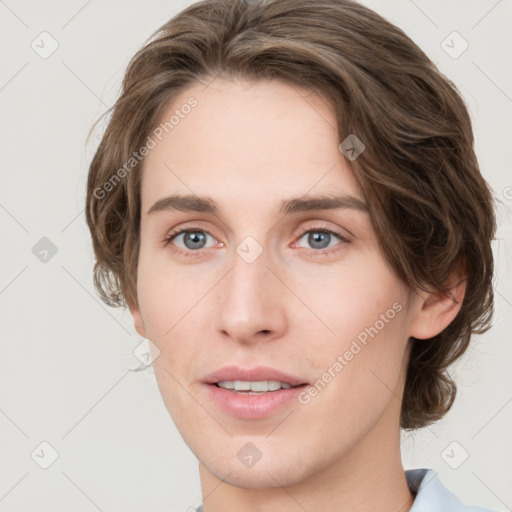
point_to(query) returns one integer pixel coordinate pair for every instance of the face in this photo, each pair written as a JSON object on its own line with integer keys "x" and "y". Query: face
{"x": 251, "y": 280}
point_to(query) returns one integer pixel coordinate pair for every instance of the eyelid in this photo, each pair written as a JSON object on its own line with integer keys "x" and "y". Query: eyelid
{"x": 324, "y": 227}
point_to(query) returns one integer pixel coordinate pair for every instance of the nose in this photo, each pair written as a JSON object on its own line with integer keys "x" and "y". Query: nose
{"x": 251, "y": 301}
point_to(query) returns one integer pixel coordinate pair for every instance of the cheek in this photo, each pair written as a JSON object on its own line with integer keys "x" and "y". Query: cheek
{"x": 346, "y": 300}
{"x": 167, "y": 293}
{"x": 357, "y": 349}
{"x": 174, "y": 305}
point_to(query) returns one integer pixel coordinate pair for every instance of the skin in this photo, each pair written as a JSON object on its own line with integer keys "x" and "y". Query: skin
{"x": 248, "y": 146}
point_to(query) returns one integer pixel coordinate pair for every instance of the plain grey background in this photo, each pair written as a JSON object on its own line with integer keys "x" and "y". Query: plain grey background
{"x": 66, "y": 357}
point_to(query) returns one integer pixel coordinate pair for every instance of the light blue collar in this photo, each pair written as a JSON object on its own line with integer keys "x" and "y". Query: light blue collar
{"x": 433, "y": 496}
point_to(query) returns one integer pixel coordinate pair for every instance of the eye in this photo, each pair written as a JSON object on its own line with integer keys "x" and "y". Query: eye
{"x": 321, "y": 239}
{"x": 192, "y": 241}
{"x": 189, "y": 240}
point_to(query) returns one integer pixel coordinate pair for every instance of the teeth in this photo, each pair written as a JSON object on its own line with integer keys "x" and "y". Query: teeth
{"x": 272, "y": 385}
{"x": 226, "y": 384}
{"x": 260, "y": 386}
{"x": 241, "y": 385}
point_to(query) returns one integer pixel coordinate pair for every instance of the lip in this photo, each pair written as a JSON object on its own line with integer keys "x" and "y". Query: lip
{"x": 252, "y": 374}
{"x": 247, "y": 406}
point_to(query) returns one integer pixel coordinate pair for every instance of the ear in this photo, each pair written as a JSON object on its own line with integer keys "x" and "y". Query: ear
{"x": 435, "y": 310}
{"x": 137, "y": 319}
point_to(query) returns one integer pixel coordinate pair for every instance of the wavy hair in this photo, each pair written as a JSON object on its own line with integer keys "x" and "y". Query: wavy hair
{"x": 429, "y": 204}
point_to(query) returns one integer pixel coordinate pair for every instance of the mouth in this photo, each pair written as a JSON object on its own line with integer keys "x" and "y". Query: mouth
{"x": 257, "y": 387}
{"x": 260, "y": 379}
{"x": 252, "y": 393}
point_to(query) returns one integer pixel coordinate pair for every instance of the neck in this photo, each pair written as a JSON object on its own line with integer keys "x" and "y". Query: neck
{"x": 369, "y": 477}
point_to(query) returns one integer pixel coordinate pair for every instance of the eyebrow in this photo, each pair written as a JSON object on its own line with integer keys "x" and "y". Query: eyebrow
{"x": 193, "y": 203}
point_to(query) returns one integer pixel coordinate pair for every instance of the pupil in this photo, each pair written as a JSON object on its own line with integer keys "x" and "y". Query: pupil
{"x": 195, "y": 237}
{"x": 316, "y": 240}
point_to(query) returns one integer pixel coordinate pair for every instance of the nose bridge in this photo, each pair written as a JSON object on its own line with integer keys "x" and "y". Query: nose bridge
{"x": 249, "y": 297}
{"x": 248, "y": 280}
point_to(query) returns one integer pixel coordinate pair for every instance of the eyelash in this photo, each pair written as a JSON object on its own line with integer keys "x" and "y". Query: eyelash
{"x": 317, "y": 229}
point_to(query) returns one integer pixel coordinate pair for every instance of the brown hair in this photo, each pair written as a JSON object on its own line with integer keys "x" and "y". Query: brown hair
{"x": 429, "y": 204}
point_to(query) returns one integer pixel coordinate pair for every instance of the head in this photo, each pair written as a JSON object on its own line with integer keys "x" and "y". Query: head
{"x": 262, "y": 113}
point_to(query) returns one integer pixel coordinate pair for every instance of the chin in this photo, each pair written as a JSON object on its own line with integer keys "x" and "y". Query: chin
{"x": 276, "y": 471}
{"x": 256, "y": 477}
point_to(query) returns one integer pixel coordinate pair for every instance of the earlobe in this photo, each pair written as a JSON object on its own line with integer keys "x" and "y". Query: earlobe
{"x": 137, "y": 320}
{"x": 436, "y": 311}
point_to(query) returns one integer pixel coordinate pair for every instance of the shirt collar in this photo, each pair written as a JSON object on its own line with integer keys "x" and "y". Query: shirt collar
{"x": 432, "y": 495}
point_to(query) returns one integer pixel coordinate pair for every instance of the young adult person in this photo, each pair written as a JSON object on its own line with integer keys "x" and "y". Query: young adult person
{"x": 288, "y": 200}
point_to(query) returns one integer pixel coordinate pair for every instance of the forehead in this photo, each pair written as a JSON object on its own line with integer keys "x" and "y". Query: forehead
{"x": 261, "y": 140}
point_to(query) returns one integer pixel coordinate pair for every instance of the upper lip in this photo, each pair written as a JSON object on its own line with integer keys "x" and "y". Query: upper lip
{"x": 257, "y": 373}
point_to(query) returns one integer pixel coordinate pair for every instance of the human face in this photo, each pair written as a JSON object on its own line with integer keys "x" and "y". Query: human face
{"x": 253, "y": 286}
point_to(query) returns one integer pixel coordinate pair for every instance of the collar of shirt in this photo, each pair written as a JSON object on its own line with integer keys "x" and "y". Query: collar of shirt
{"x": 433, "y": 496}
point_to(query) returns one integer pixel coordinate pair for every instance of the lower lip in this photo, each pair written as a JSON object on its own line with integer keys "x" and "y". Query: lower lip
{"x": 243, "y": 405}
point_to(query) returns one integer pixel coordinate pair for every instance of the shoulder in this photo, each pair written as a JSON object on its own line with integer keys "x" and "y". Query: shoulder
{"x": 433, "y": 496}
